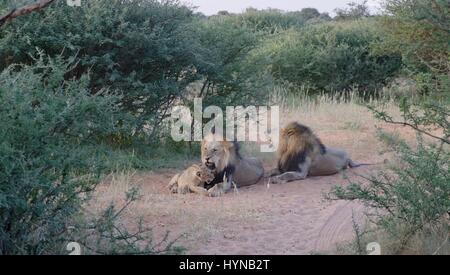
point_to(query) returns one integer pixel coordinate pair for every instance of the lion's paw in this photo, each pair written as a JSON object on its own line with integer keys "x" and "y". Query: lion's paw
{"x": 276, "y": 180}
{"x": 215, "y": 192}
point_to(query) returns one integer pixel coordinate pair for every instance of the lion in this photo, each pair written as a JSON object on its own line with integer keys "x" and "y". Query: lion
{"x": 229, "y": 167}
{"x": 193, "y": 179}
{"x": 301, "y": 154}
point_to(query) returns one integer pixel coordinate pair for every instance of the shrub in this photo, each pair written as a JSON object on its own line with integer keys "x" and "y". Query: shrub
{"x": 414, "y": 195}
{"x": 353, "y": 11}
{"x": 226, "y": 42}
{"x": 49, "y": 154}
{"x": 329, "y": 57}
{"x": 419, "y": 31}
{"x": 273, "y": 21}
{"x": 141, "y": 47}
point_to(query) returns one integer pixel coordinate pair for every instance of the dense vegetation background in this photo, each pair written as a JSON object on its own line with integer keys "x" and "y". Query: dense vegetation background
{"x": 83, "y": 88}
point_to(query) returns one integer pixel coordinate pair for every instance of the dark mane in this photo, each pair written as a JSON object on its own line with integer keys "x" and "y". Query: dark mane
{"x": 291, "y": 161}
{"x": 305, "y": 129}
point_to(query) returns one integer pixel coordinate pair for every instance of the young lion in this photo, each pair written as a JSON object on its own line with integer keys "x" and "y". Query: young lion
{"x": 193, "y": 179}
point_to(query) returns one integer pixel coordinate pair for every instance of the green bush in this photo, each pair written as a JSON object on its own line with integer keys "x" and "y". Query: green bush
{"x": 419, "y": 32}
{"x": 228, "y": 79}
{"x": 142, "y": 48}
{"x": 273, "y": 21}
{"x": 329, "y": 57}
{"x": 152, "y": 51}
{"x": 354, "y": 10}
{"x": 414, "y": 194}
{"x": 410, "y": 198}
{"x": 50, "y": 158}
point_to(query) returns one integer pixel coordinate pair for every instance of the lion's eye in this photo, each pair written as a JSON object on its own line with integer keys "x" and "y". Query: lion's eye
{"x": 199, "y": 174}
{"x": 214, "y": 150}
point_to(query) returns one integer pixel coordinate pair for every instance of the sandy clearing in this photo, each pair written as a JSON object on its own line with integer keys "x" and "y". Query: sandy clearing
{"x": 292, "y": 218}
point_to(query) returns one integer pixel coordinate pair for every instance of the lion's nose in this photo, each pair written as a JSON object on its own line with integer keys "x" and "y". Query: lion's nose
{"x": 207, "y": 159}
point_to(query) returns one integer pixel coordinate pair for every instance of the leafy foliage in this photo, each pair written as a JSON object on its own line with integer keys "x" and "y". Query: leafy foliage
{"x": 227, "y": 42}
{"x": 142, "y": 48}
{"x": 419, "y": 31}
{"x": 414, "y": 195}
{"x": 273, "y": 21}
{"x": 152, "y": 52}
{"x": 329, "y": 57}
{"x": 50, "y": 160}
{"x": 353, "y": 11}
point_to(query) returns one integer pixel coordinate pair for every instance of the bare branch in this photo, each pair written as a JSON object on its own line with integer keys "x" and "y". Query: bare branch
{"x": 444, "y": 139}
{"x": 24, "y": 10}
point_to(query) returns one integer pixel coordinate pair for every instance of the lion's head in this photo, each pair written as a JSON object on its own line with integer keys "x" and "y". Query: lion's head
{"x": 200, "y": 175}
{"x": 297, "y": 142}
{"x": 193, "y": 177}
{"x": 218, "y": 154}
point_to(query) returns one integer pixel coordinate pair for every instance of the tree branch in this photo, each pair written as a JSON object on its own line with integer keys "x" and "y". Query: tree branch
{"x": 24, "y": 10}
{"x": 445, "y": 139}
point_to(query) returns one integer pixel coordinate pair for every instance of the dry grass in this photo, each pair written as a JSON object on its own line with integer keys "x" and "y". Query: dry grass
{"x": 434, "y": 241}
{"x": 343, "y": 123}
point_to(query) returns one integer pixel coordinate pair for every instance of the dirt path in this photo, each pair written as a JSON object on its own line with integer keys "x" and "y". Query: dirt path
{"x": 292, "y": 218}
{"x": 295, "y": 220}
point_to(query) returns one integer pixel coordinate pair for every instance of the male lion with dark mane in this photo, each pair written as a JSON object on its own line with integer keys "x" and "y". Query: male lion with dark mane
{"x": 301, "y": 154}
{"x": 229, "y": 166}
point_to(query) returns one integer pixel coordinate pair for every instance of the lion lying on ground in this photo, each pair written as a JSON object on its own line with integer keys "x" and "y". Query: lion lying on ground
{"x": 301, "y": 154}
{"x": 193, "y": 179}
{"x": 228, "y": 165}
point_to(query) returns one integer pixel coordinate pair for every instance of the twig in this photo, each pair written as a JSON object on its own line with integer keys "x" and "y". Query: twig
{"x": 442, "y": 245}
{"x": 417, "y": 129}
{"x": 24, "y": 10}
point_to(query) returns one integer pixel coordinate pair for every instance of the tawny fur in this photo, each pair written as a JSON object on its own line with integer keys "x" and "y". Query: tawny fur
{"x": 226, "y": 161}
{"x": 226, "y": 151}
{"x": 193, "y": 179}
{"x": 301, "y": 154}
{"x": 296, "y": 139}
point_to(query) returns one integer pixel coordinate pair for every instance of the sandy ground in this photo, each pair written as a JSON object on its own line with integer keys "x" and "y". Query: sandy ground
{"x": 292, "y": 218}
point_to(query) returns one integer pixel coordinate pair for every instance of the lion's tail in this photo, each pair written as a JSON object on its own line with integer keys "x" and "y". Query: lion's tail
{"x": 353, "y": 164}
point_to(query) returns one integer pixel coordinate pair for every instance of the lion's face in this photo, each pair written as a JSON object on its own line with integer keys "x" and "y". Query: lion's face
{"x": 202, "y": 174}
{"x": 212, "y": 154}
{"x": 216, "y": 154}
